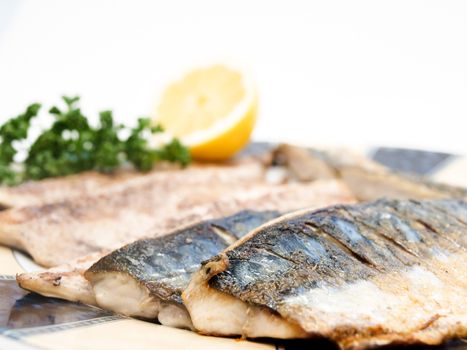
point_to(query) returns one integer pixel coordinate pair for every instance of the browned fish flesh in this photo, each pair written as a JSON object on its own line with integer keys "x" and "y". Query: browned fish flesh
{"x": 366, "y": 275}
{"x": 73, "y": 286}
{"x": 58, "y": 189}
{"x": 59, "y": 232}
{"x": 367, "y": 179}
{"x": 251, "y": 163}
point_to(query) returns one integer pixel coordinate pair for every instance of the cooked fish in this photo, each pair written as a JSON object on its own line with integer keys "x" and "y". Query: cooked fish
{"x": 59, "y": 188}
{"x": 386, "y": 272}
{"x": 170, "y": 193}
{"x": 250, "y": 165}
{"x": 146, "y": 278}
{"x": 368, "y": 180}
{"x": 68, "y": 282}
{"x": 59, "y": 232}
{"x": 67, "y": 278}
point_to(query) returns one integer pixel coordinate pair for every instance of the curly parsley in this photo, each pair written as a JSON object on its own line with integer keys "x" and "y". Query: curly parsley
{"x": 72, "y": 145}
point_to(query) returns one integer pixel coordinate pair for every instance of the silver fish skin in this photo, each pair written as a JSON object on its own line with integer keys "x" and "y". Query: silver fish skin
{"x": 379, "y": 273}
{"x": 160, "y": 268}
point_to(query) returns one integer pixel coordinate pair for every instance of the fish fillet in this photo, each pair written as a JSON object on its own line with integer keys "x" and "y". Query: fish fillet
{"x": 386, "y": 272}
{"x": 70, "y": 283}
{"x": 252, "y": 160}
{"x": 56, "y": 233}
{"x": 367, "y": 179}
{"x": 146, "y": 278}
{"x": 60, "y": 188}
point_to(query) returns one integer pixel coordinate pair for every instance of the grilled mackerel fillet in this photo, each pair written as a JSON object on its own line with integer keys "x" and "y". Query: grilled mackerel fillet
{"x": 67, "y": 281}
{"x": 146, "y": 278}
{"x": 386, "y": 272}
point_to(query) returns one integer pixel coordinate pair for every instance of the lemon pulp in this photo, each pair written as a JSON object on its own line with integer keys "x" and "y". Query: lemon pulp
{"x": 212, "y": 110}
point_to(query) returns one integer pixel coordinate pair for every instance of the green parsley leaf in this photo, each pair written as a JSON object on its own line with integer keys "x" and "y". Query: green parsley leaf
{"x": 15, "y": 129}
{"x": 71, "y": 145}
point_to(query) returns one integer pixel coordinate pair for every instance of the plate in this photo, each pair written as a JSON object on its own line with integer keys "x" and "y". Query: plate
{"x": 30, "y": 321}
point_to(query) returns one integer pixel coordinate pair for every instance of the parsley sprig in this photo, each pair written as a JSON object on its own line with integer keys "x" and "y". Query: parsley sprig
{"x": 71, "y": 145}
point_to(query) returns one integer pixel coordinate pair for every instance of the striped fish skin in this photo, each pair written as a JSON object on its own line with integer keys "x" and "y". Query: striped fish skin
{"x": 390, "y": 271}
{"x": 161, "y": 267}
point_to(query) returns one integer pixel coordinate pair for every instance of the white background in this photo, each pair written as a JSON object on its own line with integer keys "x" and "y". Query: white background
{"x": 328, "y": 72}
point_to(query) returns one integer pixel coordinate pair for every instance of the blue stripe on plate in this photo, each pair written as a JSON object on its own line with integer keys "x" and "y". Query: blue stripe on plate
{"x": 410, "y": 161}
{"x": 27, "y": 312}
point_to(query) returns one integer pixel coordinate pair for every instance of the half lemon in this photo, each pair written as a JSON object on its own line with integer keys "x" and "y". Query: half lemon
{"x": 212, "y": 110}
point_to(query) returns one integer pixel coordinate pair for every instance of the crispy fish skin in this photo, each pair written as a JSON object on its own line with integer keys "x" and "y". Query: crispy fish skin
{"x": 386, "y": 272}
{"x": 280, "y": 197}
{"x": 161, "y": 267}
{"x": 164, "y": 264}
